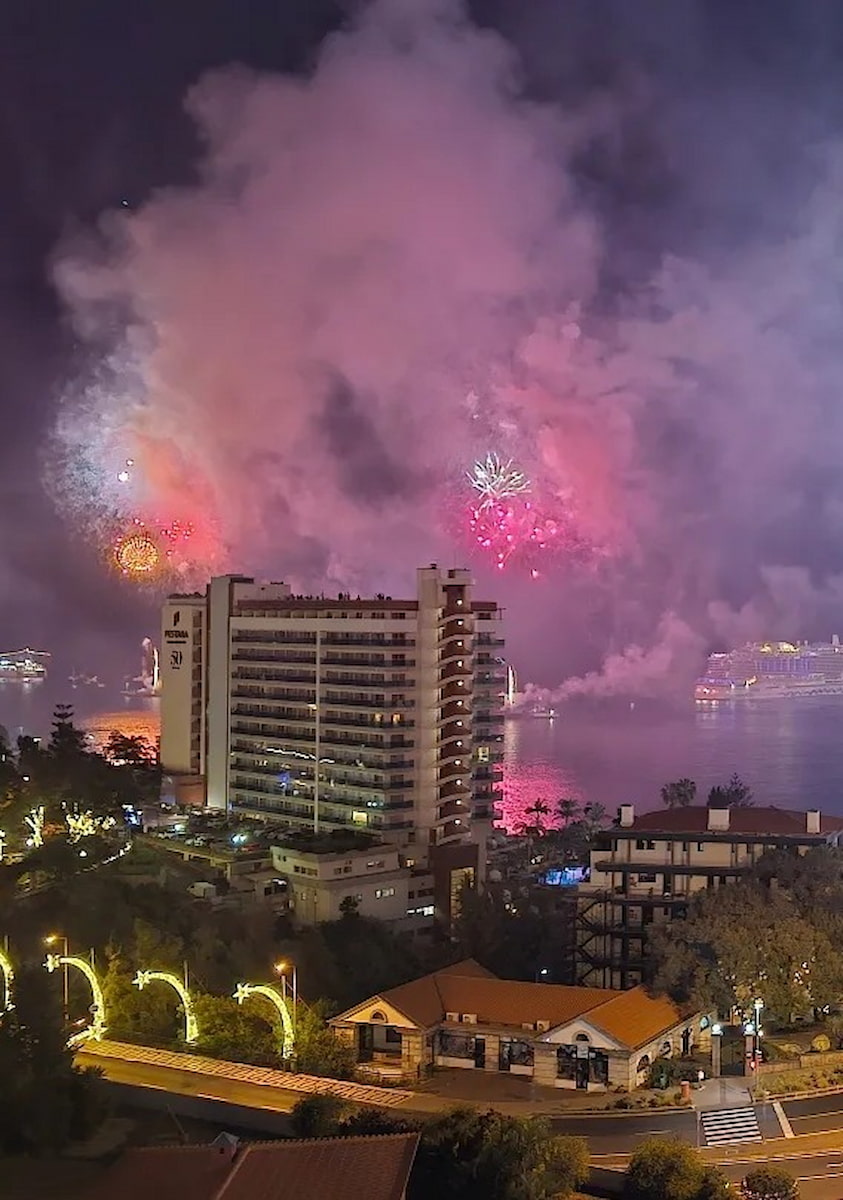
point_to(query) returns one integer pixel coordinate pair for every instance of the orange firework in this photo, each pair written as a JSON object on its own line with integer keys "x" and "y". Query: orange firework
{"x": 137, "y": 554}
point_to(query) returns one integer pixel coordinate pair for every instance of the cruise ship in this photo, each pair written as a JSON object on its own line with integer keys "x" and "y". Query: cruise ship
{"x": 768, "y": 670}
{"x": 23, "y": 666}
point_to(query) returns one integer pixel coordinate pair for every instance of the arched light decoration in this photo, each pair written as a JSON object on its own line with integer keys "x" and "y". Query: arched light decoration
{"x": 244, "y": 990}
{"x": 7, "y": 972}
{"x": 191, "y": 1028}
{"x": 96, "y": 1028}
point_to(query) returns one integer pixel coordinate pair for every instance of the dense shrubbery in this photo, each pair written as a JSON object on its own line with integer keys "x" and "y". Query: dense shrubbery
{"x": 464, "y": 1154}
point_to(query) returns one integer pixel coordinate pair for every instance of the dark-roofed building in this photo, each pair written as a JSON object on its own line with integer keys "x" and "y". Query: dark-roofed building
{"x": 565, "y": 1037}
{"x": 645, "y": 868}
{"x": 353, "y": 1168}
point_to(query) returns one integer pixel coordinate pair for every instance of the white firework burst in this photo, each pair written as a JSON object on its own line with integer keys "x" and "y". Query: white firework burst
{"x": 495, "y": 480}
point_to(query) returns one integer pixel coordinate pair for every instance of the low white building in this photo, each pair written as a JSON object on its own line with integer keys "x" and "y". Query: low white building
{"x": 563, "y": 1037}
{"x": 321, "y": 874}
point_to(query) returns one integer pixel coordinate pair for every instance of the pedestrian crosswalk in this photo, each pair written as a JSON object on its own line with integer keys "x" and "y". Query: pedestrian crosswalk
{"x": 723, "y": 1125}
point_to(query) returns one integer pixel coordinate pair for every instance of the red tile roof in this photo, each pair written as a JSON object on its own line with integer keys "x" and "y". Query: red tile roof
{"x": 633, "y": 1017}
{"x": 165, "y": 1173}
{"x": 354, "y": 1168}
{"x": 778, "y": 822}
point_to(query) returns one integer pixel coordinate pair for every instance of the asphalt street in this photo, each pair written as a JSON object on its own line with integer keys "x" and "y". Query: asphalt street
{"x": 820, "y": 1176}
{"x": 817, "y": 1114}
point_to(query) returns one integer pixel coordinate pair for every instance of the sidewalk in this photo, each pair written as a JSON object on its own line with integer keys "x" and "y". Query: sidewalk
{"x": 725, "y": 1092}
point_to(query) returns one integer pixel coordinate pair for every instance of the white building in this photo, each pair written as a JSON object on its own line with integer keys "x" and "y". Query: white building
{"x": 320, "y": 878}
{"x": 399, "y": 702}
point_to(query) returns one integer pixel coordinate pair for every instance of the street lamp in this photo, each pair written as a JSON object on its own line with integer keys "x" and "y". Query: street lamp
{"x": 716, "y": 1045}
{"x": 753, "y": 1033}
{"x": 53, "y": 940}
{"x": 281, "y": 969}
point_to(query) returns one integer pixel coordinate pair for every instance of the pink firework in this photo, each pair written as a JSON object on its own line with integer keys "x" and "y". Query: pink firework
{"x": 518, "y": 531}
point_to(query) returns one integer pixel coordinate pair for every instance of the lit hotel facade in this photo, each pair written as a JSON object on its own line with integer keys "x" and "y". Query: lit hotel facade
{"x": 318, "y": 714}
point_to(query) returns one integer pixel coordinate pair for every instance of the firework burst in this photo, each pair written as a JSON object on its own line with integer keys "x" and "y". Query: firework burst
{"x": 512, "y": 523}
{"x": 496, "y": 481}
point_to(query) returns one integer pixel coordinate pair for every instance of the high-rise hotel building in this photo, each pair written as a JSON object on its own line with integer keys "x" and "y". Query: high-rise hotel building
{"x": 333, "y": 714}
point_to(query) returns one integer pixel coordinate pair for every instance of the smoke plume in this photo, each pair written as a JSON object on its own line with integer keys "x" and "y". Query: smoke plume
{"x": 405, "y": 260}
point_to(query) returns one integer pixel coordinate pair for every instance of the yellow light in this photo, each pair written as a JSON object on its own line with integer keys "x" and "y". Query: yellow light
{"x": 52, "y": 939}
{"x": 96, "y": 1028}
{"x": 7, "y": 974}
{"x": 281, "y": 967}
{"x": 244, "y": 990}
{"x": 191, "y": 1028}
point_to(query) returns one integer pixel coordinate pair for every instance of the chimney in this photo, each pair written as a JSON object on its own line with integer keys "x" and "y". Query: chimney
{"x": 626, "y": 815}
{"x": 718, "y": 819}
{"x": 812, "y": 820}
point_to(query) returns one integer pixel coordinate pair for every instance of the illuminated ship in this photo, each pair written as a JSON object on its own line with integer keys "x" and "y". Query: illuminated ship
{"x": 148, "y": 683}
{"x": 768, "y": 670}
{"x": 79, "y": 680}
{"x": 23, "y": 666}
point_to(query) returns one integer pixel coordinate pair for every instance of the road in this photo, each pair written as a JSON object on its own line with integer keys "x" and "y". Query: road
{"x": 818, "y": 1114}
{"x": 820, "y": 1176}
{"x": 620, "y": 1134}
{"x": 254, "y": 1106}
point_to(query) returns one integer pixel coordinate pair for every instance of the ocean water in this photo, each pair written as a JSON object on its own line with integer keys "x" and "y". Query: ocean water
{"x": 790, "y": 752}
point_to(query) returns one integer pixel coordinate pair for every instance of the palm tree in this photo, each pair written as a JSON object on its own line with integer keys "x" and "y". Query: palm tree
{"x": 538, "y": 809}
{"x": 679, "y": 794}
{"x": 567, "y": 809}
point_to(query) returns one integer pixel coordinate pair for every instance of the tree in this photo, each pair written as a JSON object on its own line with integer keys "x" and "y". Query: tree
{"x": 129, "y": 750}
{"x": 234, "y": 1032}
{"x": 45, "y": 1101}
{"x": 317, "y": 1116}
{"x": 667, "y": 1169}
{"x": 769, "y": 1183}
{"x": 318, "y": 1050}
{"x": 567, "y": 809}
{"x": 715, "y": 1185}
{"x": 538, "y": 809}
{"x": 468, "y": 1155}
{"x": 735, "y": 794}
{"x": 67, "y": 743}
{"x": 595, "y": 817}
{"x": 350, "y": 906}
{"x": 741, "y": 943}
{"x": 679, "y": 794}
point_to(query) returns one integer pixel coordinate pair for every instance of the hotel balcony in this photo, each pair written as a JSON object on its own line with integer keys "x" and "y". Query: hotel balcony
{"x": 488, "y": 639}
{"x": 449, "y": 809}
{"x": 456, "y": 710}
{"x": 384, "y": 642}
{"x": 349, "y": 721}
{"x": 451, "y": 788}
{"x": 455, "y": 625}
{"x": 272, "y": 638}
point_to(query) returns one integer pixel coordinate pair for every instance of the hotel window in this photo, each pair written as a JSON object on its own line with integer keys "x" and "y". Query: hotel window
{"x": 384, "y": 893}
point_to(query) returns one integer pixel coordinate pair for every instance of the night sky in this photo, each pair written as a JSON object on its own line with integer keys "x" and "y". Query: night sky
{"x": 702, "y": 142}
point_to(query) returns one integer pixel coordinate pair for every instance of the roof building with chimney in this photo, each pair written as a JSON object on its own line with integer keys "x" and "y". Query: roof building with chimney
{"x": 645, "y": 868}
{"x": 558, "y": 1036}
